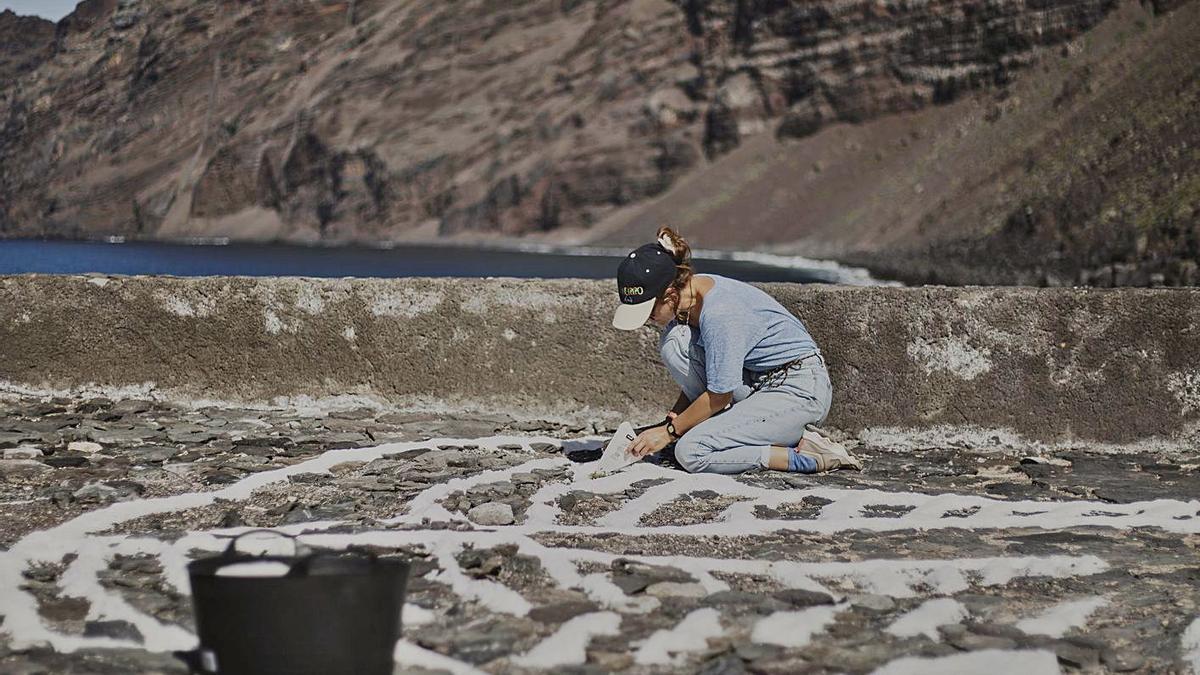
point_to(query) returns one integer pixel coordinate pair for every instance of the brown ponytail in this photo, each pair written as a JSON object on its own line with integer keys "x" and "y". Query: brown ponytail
{"x": 682, "y": 253}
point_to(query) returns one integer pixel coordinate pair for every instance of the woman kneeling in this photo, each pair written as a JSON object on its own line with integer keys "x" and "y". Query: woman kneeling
{"x": 753, "y": 382}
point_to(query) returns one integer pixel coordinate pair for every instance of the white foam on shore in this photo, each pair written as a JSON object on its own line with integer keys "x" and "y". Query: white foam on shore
{"x": 982, "y": 662}
{"x": 793, "y": 629}
{"x": 568, "y": 645}
{"x": 831, "y": 270}
{"x": 841, "y": 274}
{"x": 1057, "y": 620}
{"x": 924, "y": 620}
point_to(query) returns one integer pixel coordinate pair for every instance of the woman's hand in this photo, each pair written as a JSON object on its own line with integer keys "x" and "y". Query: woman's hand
{"x": 650, "y": 441}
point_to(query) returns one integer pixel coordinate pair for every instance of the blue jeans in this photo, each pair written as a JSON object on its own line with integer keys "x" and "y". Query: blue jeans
{"x": 740, "y": 438}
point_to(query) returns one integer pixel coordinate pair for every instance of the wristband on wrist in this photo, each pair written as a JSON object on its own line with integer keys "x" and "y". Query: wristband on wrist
{"x": 671, "y": 430}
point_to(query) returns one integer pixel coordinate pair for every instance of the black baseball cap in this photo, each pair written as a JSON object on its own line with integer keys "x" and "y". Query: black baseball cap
{"x": 642, "y": 276}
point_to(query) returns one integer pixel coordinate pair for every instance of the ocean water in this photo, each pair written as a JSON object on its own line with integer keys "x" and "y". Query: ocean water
{"x": 22, "y": 256}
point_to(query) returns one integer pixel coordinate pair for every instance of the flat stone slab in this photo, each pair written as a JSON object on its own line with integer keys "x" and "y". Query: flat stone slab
{"x": 945, "y": 558}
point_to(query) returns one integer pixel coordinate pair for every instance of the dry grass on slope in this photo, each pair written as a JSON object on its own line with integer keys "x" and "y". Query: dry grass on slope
{"x": 1084, "y": 170}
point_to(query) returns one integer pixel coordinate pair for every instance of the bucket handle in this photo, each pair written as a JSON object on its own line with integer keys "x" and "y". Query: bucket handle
{"x": 302, "y": 556}
{"x": 300, "y": 563}
{"x": 298, "y": 548}
{"x": 303, "y": 566}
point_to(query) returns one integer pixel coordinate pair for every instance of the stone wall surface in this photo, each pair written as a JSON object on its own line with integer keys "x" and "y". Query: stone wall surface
{"x": 1045, "y": 365}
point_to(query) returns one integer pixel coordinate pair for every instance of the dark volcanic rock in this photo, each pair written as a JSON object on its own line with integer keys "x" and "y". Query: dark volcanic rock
{"x": 153, "y": 454}
{"x": 1148, "y": 578}
{"x": 561, "y": 612}
{"x": 633, "y": 577}
{"x": 798, "y": 597}
{"x": 606, "y": 109}
{"x": 121, "y": 630}
{"x": 25, "y": 41}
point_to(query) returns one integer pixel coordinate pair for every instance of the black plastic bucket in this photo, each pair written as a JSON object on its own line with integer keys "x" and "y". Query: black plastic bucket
{"x": 330, "y": 614}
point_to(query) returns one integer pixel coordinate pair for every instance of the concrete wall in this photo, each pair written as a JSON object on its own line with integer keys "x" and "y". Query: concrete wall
{"x": 1056, "y": 365}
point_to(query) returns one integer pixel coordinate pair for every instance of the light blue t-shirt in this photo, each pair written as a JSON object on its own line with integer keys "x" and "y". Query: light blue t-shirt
{"x": 741, "y": 327}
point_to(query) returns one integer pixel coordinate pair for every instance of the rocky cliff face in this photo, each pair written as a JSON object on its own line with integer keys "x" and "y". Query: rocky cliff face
{"x": 343, "y": 121}
{"x": 1085, "y": 171}
{"x": 24, "y": 43}
{"x": 374, "y": 121}
{"x": 811, "y": 63}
